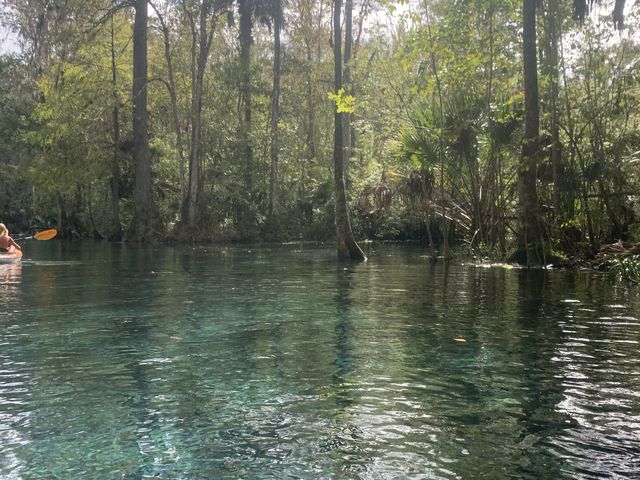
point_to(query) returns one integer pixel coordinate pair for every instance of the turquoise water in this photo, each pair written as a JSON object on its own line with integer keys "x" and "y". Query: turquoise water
{"x": 124, "y": 362}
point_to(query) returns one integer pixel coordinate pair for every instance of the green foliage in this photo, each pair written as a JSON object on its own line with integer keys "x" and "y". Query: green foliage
{"x": 485, "y": 253}
{"x": 626, "y": 268}
{"x": 418, "y": 142}
{"x": 344, "y": 103}
{"x": 18, "y": 95}
{"x": 436, "y": 109}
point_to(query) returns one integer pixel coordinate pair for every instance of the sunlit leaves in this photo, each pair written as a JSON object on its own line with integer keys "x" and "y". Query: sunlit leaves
{"x": 344, "y": 103}
{"x": 626, "y": 268}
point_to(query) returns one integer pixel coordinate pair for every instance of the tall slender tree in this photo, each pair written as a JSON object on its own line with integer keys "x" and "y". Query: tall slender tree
{"x": 245, "y": 31}
{"x": 346, "y": 81}
{"x": 145, "y": 219}
{"x": 172, "y": 87}
{"x": 277, "y": 14}
{"x": 552, "y": 24}
{"x": 441, "y": 127}
{"x": 202, "y": 29}
{"x": 347, "y": 246}
{"x": 533, "y": 246}
{"x": 116, "y": 228}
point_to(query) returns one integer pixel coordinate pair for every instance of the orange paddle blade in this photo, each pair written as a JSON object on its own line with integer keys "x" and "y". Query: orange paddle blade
{"x": 46, "y": 234}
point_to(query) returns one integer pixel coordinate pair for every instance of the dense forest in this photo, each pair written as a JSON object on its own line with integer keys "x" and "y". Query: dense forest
{"x": 504, "y": 127}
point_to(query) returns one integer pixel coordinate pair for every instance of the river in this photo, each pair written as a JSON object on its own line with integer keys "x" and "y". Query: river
{"x": 279, "y": 362}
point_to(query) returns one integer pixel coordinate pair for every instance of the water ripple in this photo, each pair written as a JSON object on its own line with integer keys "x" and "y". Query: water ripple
{"x": 251, "y": 364}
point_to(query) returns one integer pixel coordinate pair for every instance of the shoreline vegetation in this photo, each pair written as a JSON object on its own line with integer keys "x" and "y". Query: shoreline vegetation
{"x": 507, "y": 131}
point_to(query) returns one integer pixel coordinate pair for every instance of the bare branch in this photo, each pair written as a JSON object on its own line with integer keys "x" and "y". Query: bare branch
{"x": 115, "y": 8}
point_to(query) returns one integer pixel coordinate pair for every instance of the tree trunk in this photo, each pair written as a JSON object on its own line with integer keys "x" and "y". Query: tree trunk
{"x": 533, "y": 248}
{"x": 200, "y": 45}
{"x": 245, "y": 211}
{"x": 275, "y": 112}
{"x": 434, "y": 67}
{"x": 552, "y": 66}
{"x": 311, "y": 111}
{"x": 346, "y": 83}
{"x": 618, "y": 14}
{"x": 495, "y": 233}
{"x": 246, "y": 39}
{"x": 347, "y": 246}
{"x": 576, "y": 153}
{"x": 145, "y": 217}
{"x": 174, "y": 102}
{"x": 115, "y": 233}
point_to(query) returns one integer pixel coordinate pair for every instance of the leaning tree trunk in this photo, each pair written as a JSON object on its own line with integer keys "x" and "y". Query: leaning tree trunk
{"x": 347, "y": 246}
{"x": 145, "y": 216}
{"x": 533, "y": 248}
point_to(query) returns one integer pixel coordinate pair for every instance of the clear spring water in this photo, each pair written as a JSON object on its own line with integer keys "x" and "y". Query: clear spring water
{"x": 125, "y": 362}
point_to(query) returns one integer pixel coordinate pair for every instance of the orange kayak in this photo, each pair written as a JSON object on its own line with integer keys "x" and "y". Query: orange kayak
{"x": 12, "y": 256}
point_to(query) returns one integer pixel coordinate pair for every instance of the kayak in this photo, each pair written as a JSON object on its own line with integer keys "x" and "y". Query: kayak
{"x": 12, "y": 256}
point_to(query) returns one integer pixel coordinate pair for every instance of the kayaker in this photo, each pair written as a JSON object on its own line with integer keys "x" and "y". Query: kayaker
{"x": 5, "y": 240}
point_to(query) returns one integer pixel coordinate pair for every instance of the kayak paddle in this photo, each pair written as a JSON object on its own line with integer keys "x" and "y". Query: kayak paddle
{"x": 43, "y": 235}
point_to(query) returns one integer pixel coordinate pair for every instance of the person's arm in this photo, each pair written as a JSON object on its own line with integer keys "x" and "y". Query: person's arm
{"x": 11, "y": 242}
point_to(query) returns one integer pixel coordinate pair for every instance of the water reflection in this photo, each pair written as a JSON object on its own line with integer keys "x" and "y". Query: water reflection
{"x": 598, "y": 366}
{"x": 243, "y": 363}
{"x": 14, "y": 380}
{"x": 10, "y": 275}
{"x": 538, "y": 332}
{"x": 344, "y": 361}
